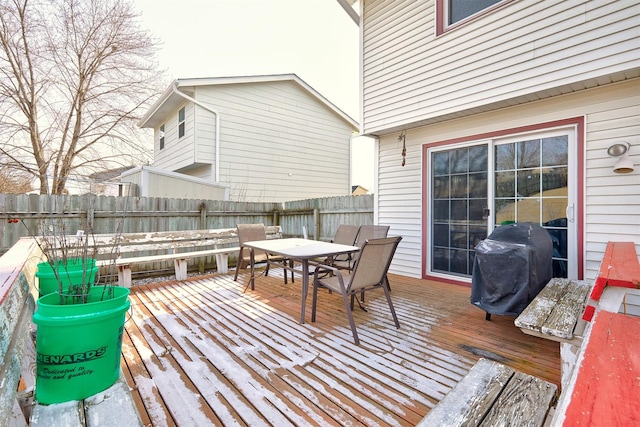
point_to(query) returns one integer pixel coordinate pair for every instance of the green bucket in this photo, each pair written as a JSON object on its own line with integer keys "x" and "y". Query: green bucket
{"x": 71, "y": 272}
{"x": 78, "y": 346}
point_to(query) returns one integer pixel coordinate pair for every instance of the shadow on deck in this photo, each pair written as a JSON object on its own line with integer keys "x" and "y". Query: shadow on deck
{"x": 202, "y": 352}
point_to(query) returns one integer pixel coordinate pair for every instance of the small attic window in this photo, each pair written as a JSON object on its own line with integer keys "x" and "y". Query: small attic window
{"x": 161, "y": 136}
{"x": 459, "y": 10}
{"x": 181, "y": 115}
{"x": 452, "y": 13}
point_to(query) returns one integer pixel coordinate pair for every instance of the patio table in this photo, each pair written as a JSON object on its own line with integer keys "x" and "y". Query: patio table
{"x": 301, "y": 250}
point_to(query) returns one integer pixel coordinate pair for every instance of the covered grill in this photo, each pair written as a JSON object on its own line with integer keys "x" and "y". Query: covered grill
{"x": 511, "y": 266}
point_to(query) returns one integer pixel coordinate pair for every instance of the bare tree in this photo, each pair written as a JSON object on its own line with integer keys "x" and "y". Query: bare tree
{"x": 74, "y": 77}
{"x": 14, "y": 182}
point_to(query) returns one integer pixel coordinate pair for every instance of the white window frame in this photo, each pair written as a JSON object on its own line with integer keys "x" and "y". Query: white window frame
{"x": 161, "y": 134}
{"x": 181, "y": 123}
{"x": 446, "y": 12}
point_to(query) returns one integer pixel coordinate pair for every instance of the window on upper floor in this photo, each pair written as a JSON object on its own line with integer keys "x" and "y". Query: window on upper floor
{"x": 161, "y": 136}
{"x": 181, "y": 115}
{"x": 453, "y": 11}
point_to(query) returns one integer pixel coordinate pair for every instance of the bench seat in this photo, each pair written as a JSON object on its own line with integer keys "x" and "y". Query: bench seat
{"x": 113, "y": 407}
{"x": 604, "y": 389}
{"x": 494, "y": 394}
{"x": 180, "y": 262}
{"x": 555, "y": 313}
{"x": 129, "y": 249}
{"x": 619, "y": 267}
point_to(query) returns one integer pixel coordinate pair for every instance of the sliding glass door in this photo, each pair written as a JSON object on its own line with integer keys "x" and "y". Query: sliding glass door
{"x": 481, "y": 185}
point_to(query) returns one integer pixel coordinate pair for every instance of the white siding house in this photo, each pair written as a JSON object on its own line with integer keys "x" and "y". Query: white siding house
{"x": 506, "y": 115}
{"x": 267, "y": 138}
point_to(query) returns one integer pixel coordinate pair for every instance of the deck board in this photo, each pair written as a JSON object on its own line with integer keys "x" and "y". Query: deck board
{"x": 202, "y": 352}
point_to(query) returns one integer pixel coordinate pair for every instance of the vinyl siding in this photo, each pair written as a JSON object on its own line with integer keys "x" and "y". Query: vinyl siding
{"x": 205, "y": 130}
{"x": 518, "y": 53}
{"x": 278, "y": 142}
{"x": 612, "y": 201}
{"x": 177, "y": 153}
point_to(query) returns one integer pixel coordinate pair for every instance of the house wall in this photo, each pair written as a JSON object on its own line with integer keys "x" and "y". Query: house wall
{"x": 152, "y": 182}
{"x": 177, "y": 153}
{"x": 612, "y": 201}
{"x": 277, "y": 142}
{"x": 520, "y": 52}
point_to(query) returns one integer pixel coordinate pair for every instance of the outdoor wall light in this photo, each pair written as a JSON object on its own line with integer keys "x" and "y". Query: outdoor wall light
{"x": 624, "y": 163}
{"x": 618, "y": 149}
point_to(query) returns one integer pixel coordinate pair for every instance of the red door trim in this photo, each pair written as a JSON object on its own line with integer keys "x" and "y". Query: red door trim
{"x": 578, "y": 122}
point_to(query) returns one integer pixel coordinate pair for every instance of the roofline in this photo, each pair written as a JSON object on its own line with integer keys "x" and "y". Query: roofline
{"x": 347, "y": 5}
{"x": 212, "y": 81}
{"x": 156, "y": 105}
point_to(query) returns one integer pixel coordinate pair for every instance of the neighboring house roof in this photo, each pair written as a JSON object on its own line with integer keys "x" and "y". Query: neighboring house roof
{"x": 357, "y": 190}
{"x": 170, "y": 100}
{"x": 110, "y": 174}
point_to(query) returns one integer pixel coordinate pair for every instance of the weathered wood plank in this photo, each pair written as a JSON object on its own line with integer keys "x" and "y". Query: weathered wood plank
{"x": 525, "y": 401}
{"x": 554, "y": 312}
{"x": 68, "y": 414}
{"x": 16, "y": 308}
{"x": 151, "y": 407}
{"x": 472, "y": 398}
{"x": 112, "y": 407}
{"x": 238, "y": 357}
{"x": 562, "y": 320}
{"x": 171, "y": 257}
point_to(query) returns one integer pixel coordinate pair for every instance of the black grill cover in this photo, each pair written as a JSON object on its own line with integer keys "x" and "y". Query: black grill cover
{"x": 511, "y": 266}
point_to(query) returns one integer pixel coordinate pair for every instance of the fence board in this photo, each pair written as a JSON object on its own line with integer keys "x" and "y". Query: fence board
{"x": 108, "y": 214}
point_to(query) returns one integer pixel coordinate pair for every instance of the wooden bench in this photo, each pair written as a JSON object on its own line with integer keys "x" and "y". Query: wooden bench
{"x": 17, "y": 353}
{"x": 123, "y": 251}
{"x": 494, "y": 394}
{"x": 562, "y": 310}
{"x": 556, "y": 312}
{"x": 604, "y": 388}
{"x": 619, "y": 267}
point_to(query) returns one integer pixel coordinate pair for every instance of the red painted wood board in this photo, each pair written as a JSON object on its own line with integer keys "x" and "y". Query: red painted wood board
{"x": 607, "y": 388}
{"x": 619, "y": 267}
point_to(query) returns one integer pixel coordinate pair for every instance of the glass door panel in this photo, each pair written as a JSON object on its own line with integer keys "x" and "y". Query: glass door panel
{"x": 458, "y": 205}
{"x": 479, "y": 187}
{"x": 531, "y": 185}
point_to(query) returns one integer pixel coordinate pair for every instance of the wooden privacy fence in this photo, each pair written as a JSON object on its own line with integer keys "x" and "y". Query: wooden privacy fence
{"x": 24, "y": 214}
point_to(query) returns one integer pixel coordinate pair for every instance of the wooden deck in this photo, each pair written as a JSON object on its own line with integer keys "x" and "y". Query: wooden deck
{"x": 202, "y": 352}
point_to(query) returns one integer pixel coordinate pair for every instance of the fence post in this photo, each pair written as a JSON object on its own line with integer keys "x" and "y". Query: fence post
{"x": 90, "y": 212}
{"x": 203, "y": 216}
{"x": 203, "y": 226}
{"x": 316, "y": 221}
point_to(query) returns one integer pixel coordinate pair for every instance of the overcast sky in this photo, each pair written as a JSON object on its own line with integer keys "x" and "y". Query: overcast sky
{"x": 314, "y": 39}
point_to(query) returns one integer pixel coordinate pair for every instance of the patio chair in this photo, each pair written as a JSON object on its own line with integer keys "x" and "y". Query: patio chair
{"x": 370, "y": 272}
{"x": 249, "y": 233}
{"x": 345, "y": 235}
{"x": 365, "y": 232}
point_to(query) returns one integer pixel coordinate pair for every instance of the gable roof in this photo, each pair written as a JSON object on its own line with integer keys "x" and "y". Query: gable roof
{"x": 347, "y": 5}
{"x": 170, "y": 100}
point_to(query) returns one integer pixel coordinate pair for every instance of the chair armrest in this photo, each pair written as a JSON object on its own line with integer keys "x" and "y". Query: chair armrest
{"x": 325, "y": 267}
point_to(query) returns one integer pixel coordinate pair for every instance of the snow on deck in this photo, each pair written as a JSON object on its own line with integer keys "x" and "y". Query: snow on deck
{"x": 202, "y": 352}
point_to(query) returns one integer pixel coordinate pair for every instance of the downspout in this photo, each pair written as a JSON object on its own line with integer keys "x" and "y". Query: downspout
{"x": 211, "y": 110}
